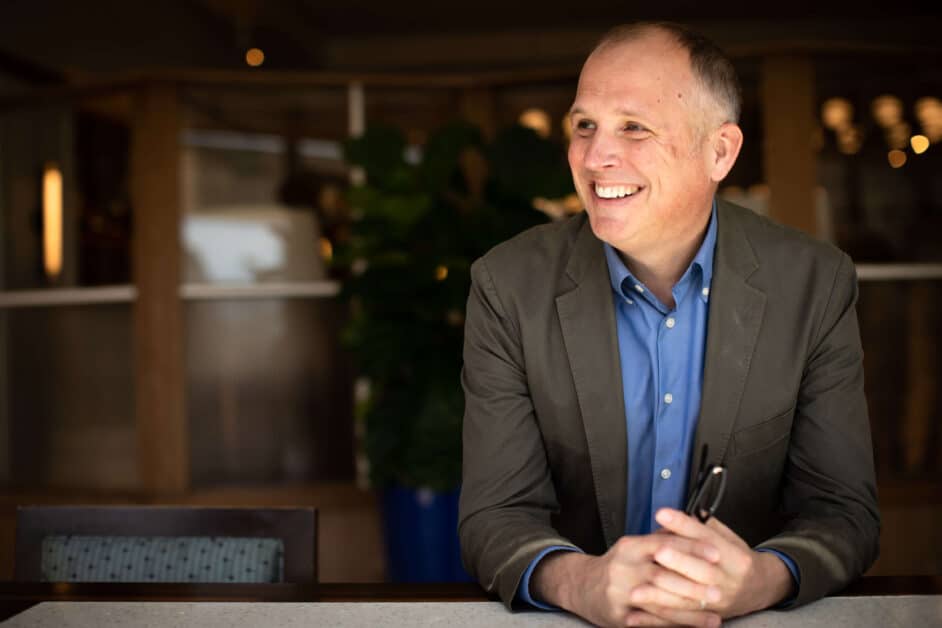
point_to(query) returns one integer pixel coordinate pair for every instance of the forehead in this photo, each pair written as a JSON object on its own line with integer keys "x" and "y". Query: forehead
{"x": 650, "y": 71}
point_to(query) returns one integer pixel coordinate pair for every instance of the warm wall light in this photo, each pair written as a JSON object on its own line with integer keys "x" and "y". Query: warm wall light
{"x": 836, "y": 113}
{"x": 929, "y": 113}
{"x": 538, "y": 120}
{"x": 327, "y": 250}
{"x": 920, "y": 143}
{"x": 896, "y": 158}
{"x": 887, "y": 110}
{"x": 254, "y": 57}
{"x": 52, "y": 220}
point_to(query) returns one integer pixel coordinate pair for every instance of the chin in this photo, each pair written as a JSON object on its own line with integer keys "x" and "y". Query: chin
{"x": 607, "y": 229}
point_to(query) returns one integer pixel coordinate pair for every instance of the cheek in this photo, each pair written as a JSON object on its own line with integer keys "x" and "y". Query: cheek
{"x": 647, "y": 154}
{"x": 662, "y": 162}
{"x": 575, "y": 157}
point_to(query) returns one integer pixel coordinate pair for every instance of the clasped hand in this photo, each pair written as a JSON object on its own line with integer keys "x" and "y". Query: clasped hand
{"x": 687, "y": 573}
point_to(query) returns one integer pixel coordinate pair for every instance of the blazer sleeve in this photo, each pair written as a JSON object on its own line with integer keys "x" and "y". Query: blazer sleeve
{"x": 829, "y": 489}
{"x": 507, "y": 494}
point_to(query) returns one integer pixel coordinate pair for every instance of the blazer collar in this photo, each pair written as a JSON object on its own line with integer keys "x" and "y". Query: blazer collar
{"x": 735, "y": 317}
{"x": 587, "y": 319}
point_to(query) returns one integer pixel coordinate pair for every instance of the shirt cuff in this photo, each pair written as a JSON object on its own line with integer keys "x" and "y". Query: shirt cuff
{"x": 792, "y": 567}
{"x": 523, "y": 591}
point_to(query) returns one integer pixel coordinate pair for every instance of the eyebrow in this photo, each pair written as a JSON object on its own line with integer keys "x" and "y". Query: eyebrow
{"x": 623, "y": 112}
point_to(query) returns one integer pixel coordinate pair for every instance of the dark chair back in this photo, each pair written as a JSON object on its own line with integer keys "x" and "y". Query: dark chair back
{"x": 294, "y": 528}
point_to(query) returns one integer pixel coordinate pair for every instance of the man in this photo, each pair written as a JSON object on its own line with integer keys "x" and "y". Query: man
{"x": 602, "y": 351}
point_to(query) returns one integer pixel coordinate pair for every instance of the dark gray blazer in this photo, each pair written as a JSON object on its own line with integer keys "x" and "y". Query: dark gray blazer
{"x": 545, "y": 450}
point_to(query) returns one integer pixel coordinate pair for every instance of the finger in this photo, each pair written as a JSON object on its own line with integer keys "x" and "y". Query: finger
{"x": 647, "y": 595}
{"x": 700, "y": 549}
{"x": 676, "y": 584}
{"x": 638, "y": 617}
{"x": 689, "y": 566}
{"x": 672, "y": 617}
{"x": 637, "y": 548}
{"x": 683, "y": 525}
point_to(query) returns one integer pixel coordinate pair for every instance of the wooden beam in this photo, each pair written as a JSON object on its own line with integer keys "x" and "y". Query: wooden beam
{"x": 787, "y": 92}
{"x": 160, "y": 408}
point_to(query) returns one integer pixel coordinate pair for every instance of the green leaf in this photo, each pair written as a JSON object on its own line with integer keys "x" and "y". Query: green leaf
{"x": 406, "y": 327}
{"x": 379, "y": 151}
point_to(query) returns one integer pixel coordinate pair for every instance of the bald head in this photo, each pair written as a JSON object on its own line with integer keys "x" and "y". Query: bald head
{"x": 712, "y": 71}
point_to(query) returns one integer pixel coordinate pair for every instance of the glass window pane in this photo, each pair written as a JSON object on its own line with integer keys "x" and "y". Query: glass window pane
{"x": 903, "y": 376}
{"x": 68, "y": 403}
{"x": 254, "y": 167}
{"x": 268, "y": 391}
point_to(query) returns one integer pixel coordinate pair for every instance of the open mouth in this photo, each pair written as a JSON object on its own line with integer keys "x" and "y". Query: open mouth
{"x": 616, "y": 191}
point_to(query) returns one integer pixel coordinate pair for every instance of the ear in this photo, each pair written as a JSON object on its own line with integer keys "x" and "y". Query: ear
{"x": 724, "y": 144}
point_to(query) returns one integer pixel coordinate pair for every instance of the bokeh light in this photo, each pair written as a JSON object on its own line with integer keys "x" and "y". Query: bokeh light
{"x": 896, "y": 158}
{"x": 920, "y": 143}
{"x": 836, "y": 113}
{"x": 928, "y": 111}
{"x": 887, "y": 110}
{"x": 254, "y": 57}
{"x": 538, "y": 120}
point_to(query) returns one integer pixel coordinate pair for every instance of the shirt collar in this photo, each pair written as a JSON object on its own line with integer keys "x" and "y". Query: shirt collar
{"x": 703, "y": 260}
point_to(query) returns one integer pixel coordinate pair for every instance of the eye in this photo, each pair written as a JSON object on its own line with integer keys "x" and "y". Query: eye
{"x": 584, "y": 126}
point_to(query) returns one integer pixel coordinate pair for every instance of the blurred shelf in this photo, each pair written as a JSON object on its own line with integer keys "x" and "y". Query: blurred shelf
{"x": 273, "y": 290}
{"x": 898, "y": 272}
{"x": 67, "y": 296}
{"x": 330, "y": 494}
{"x": 188, "y": 292}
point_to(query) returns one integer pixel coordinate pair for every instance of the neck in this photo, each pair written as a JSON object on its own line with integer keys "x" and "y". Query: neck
{"x": 662, "y": 266}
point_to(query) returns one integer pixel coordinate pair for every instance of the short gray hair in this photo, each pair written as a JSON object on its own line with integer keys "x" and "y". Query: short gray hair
{"x": 710, "y": 65}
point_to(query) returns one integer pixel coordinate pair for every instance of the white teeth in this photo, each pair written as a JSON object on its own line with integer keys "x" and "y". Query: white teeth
{"x": 615, "y": 191}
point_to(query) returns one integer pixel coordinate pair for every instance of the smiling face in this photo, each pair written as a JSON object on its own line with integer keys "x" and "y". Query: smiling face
{"x": 642, "y": 153}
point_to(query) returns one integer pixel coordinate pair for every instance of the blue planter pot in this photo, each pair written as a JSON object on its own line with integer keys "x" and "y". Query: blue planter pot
{"x": 421, "y": 534}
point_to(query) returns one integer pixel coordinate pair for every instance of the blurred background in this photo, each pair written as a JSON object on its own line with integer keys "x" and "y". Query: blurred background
{"x": 235, "y": 235}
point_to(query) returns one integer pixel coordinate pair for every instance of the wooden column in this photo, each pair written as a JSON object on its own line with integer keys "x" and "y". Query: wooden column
{"x": 163, "y": 434}
{"x": 787, "y": 93}
{"x": 478, "y": 107}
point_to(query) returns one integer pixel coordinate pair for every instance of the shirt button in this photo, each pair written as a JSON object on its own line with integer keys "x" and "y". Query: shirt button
{"x": 639, "y": 288}
{"x": 670, "y": 323}
{"x": 666, "y": 474}
{"x": 668, "y": 398}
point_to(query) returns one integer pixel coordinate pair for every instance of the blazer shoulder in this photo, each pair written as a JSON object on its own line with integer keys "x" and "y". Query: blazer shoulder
{"x": 783, "y": 248}
{"x": 540, "y": 251}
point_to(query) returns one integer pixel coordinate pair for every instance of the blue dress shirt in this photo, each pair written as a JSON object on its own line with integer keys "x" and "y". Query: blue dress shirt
{"x": 662, "y": 353}
{"x": 661, "y": 350}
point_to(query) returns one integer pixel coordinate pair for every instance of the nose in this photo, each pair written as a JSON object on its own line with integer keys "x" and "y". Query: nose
{"x": 601, "y": 152}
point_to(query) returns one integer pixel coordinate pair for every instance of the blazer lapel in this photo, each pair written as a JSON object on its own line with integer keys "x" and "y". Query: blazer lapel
{"x": 736, "y": 310}
{"x": 587, "y": 318}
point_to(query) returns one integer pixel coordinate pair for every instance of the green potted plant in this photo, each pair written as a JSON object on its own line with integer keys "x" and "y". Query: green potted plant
{"x": 418, "y": 225}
